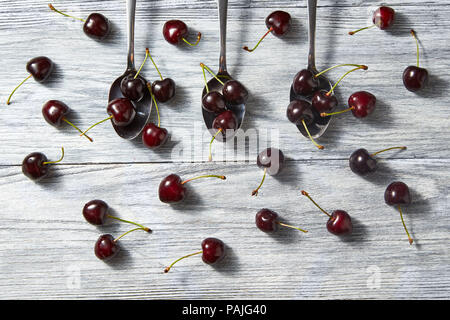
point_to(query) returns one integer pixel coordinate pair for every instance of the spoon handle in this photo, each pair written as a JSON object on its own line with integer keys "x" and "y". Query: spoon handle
{"x": 312, "y": 6}
{"x": 131, "y": 13}
{"x": 223, "y": 8}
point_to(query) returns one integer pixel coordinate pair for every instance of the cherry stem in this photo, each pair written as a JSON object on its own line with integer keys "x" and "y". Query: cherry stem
{"x": 119, "y": 237}
{"x": 251, "y": 50}
{"x": 199, "y": 36}
{"x": 9, "y": 98}
{"x": 401, "y": 148}
{"x": 310, "y": 137}
{"x": 147, "y": 53}
{"x": 210, "y": 144}
{"x": 255, "y": 192}
{"x": 84, "y": 133}
{"x": 205, "y": 176}
{"x": 53, "y": 162}
{"x": 341, "y": 65}
{"x": 187, "y": 256}
{"x": 206, "y": 82}
{"x": 126, "y": 221}
{"x": 404, "y": 226}
{"x": 64, "y": 14}
{"x": 353, "y": 32}
{"x": 324, "y": 114}
{"x": 345, "y": 74}
{"x": 149, "y": 86}
{"x": 289, "y": 226}
{"x": 417, "y": 45}
{"x": 78, "y": 129}
{"x": 212, "y": 73}
{"x": 306, "y": 194}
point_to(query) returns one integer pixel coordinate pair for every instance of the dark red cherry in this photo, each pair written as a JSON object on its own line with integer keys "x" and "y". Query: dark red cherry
{"x": 397, "y": 193}
{"x": 105, "y": 247}
{"x": 214, "y": 102}
{"x": 122, "y": 111}
{"x": 33, "y": 166}
{"x": 54, "y": 112}
{"x": 383, "y": 17}
{"x": 133, "y": 89}
{"x": 225, "y": 121}
{"x": 163, "y": 90}
{"x": 171, "y": 189}
{"x": 362, "y": 163}
{"x": 154, "y": 136}
{"x": 415, "y": 78}
{"x": 95, "y": 212}
{"x": 267, "y": 220}
{"x": 234, "y": 92}
{"x": 272, "y": 160}
{"x": 298, "y": 111}
{"x": 213, "y": 250}
{"x": 40, "y": 68}
{"x": 323, "y": 101}
{"x": 362, "y": 103}
{"x": 96, "y": 26}
{"x": 279, "y": 21}
{"x": 174, "y": 31}
{"x": 305, "y": 83}
{"x": 340, "y": 223}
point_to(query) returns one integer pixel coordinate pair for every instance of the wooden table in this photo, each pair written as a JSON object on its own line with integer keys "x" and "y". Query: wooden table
{"x": 46, "y": 247}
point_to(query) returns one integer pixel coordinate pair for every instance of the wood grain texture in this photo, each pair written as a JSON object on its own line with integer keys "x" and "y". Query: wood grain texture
{"x": 46, "y": 248}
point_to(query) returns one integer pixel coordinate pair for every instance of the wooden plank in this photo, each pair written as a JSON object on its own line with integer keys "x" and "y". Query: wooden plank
{"x": 46, "y": 247}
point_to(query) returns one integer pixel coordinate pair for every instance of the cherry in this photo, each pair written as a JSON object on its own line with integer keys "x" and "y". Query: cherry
{"x": 414, "y": 77}
{"x": 213, "y": 251}
{"x": 272, "y": 161}
{"x": 107, "y": 247}
{"x": 55, "y": 113}
{"x": 383, "y": 18}
{"x": 39, "y": 68}
{"x": 121, "y": 112}
{"x": 267, "y": 220}
{"x": 225, "y": 123}
{"x": 234, "y": 92}
{"x": 175, "y": 31}
{"x": 172, "y": 189}
{"x": 361, "y": 104}
{"x": 278, "y": 23}
{"x": 323, "y": 101}
{"x": 96, "y": 25}
{"x": 362, "y": 163}
{"x": 305, "y": 83}
{"x": 36, "y": 165}
{"x": 163, "y": 89}
{"x": 213, "y": 101}
{"x": 133, "y": 86}
{"x": 339, "y": 222}
{"x": 300, "y": 112}
{"x": 96, "y": 211}
{"x": 397, "y": 193}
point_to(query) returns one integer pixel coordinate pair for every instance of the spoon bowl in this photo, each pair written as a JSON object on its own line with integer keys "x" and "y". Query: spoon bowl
{"x": 144, "y": 106}
{"x": 319, "y": 124}
{"x": 208, "y": 117}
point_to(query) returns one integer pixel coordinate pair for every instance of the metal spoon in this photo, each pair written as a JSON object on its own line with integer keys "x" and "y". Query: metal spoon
{"x": 214, "y": 85}
{"x": 320, "y": 124}
{"x": 144, "y": 106}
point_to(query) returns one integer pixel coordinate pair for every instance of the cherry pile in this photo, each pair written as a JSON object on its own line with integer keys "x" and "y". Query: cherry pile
{"x": 172, "y": 189}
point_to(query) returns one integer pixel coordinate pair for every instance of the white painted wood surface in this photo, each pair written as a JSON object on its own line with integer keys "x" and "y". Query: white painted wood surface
{"x": 46, "y": 247}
